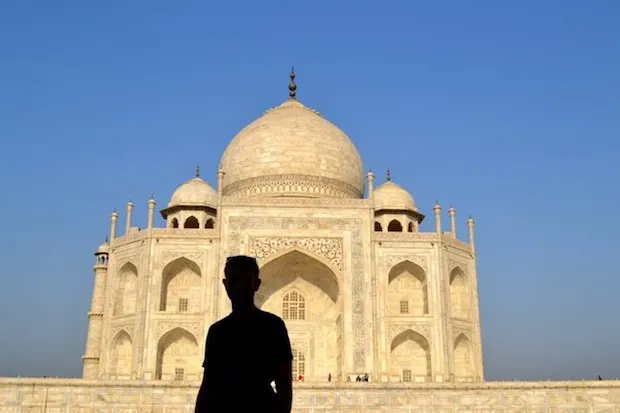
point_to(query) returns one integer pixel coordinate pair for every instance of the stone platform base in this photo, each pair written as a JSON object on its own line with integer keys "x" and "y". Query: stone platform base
{"x": 28, "y": 395}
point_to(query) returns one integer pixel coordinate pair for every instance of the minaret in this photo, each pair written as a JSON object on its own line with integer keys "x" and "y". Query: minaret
{"x": 437, "y": 209}
{"x": 130, "y": 206}
{"x": 472, "y": 242}
{"x": 151, "y": 217}
{"x": 371, "y": 183}
{"x": 113, "y": 223}
{"x": 90, "y": 359}
{"x": 452, "y": 212}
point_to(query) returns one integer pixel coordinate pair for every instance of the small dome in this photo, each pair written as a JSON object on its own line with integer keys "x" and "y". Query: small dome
{"x": 195, "y": 192}
{"x": 393, "y": 196}
{"x": 103, "y": 249}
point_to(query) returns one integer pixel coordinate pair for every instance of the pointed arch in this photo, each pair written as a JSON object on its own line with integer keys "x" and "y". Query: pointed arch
{"x": 395, "y": 226}
{"x": 174, "y": 223}
{"x": 410, "y": 227}
{"x": 191, "y": 223}
{"x": 178, "y": 356}
{"x": 460, "y": 298}
{"x": 301, "y": 272}
{"x": 210, "y": 224}
{"x": 407, "y": 283}
{"x": 126, "y": 296}
{"x": 181, "y": 286}
{"x": 462, "y": 358}
{"x": 378, "y": 227}
{"x": 122, "y": 356}
{"x": 410, "y": 355}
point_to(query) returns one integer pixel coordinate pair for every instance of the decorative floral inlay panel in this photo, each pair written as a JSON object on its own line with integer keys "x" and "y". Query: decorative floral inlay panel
{"x": 329, "y": 248}
{"x": 167, "y": 256}
{"x": 391, "y": 260}
{"x": 164, "y": 327}
{"x": 422, "y": 329}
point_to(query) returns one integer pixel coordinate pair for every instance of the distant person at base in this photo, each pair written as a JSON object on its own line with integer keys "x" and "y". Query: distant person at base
{"x": 246, "y": 351}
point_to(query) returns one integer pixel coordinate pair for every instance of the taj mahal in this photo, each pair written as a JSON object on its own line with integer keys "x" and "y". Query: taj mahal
{"x": 362, "y": 290}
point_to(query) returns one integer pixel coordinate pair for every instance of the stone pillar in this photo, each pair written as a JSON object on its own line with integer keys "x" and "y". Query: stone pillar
{"x": 452, "y": 212}
{"x": 130, "y": 206}
{"x": 91, "y": 357}
{"x": 151, "y": 216}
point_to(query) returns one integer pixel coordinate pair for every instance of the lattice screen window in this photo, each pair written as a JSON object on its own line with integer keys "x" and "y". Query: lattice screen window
{"x": 407, "y": 378}
{"x": 183, "y": 305}
{"x": 293, "y": 306}
{"x": 299, "y": 363}
{"x": 179, "y": 374}
{"x": 404, "y": 307}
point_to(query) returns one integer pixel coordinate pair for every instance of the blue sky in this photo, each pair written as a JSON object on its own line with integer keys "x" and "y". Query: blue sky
{"x": 508, "y": 110}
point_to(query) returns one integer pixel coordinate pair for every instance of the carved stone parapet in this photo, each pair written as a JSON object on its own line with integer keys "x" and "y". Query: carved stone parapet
{"x": 405, "y": 236}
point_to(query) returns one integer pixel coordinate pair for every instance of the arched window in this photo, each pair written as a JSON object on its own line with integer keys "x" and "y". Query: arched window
{"x": 378, "y": 227}
{"x": 209, "y": 224}
{"x": 299, "y": 364}
{"x": 191, "y": 223}
{"x": 410, "y": 228}
{"x": 293, "y": 306}
{"x": 395, "y": 226}
{"x": 175, "y": 223}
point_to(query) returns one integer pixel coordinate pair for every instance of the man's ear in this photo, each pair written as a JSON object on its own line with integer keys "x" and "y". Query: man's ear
{"x": 257, "y": 284}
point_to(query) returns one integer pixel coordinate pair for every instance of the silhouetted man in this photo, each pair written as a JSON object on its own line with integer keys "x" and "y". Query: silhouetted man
{"x": 246, "y": 351}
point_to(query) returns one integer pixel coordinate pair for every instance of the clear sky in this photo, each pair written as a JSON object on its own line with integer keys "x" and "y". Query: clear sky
{"x": 508, "y": 110}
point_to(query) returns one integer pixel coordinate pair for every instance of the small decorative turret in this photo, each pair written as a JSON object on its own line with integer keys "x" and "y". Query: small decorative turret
{"x": 220, "y": 182}
{"x": 472, "y": 241}
{"x": 151, "y": 217}
{"x": 113, "y": 223}
{"x": 101, "y": 255}
{"x": 371, "y": 182}
{"x": 130, "y": 206}
{"x": 452, "y": 212}
{"x": 437, "y": 210}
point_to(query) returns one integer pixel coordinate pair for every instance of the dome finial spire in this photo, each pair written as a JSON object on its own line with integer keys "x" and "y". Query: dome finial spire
{"x": 292, "y": 87}
{"x": 388, "y": 175}
{"x": 198, "y": 170}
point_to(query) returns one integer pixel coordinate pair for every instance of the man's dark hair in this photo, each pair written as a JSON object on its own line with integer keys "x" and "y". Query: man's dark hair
{"x": 242, "y": 263}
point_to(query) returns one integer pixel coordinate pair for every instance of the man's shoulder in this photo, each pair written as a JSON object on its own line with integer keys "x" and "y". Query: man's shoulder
{"x": 268, "y": 317}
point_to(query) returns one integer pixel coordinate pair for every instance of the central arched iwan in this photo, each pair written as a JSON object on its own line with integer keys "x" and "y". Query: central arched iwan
{"x": 306, "y": 293}
{"x": 407, "y": 290}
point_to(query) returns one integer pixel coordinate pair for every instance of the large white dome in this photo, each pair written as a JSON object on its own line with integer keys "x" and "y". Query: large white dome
{"x": 292, "y": 151}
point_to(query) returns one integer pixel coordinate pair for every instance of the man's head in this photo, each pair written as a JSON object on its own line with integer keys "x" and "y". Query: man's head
{"x": 241, "y": 279}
